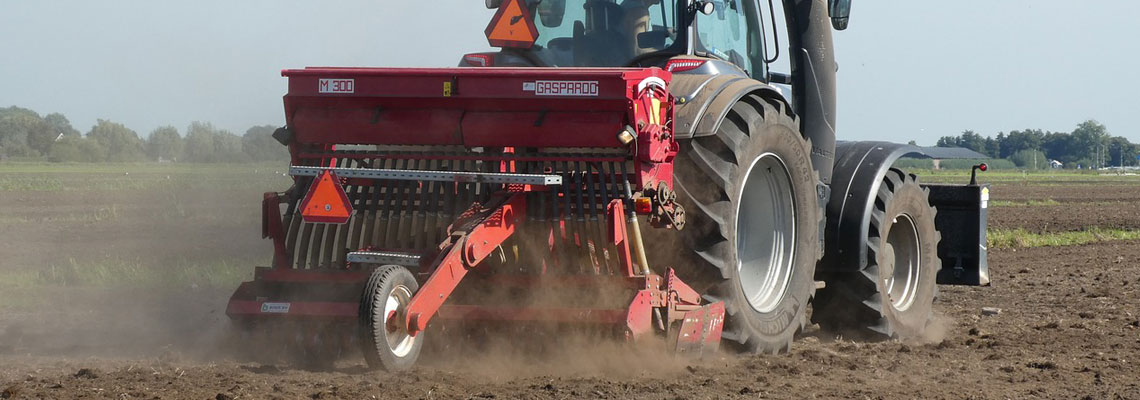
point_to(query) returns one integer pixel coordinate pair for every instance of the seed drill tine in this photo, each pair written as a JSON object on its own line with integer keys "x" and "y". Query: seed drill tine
{"x": 448, "y": 211}
{"x": 432, "y": 223}
{"x": 360, "y": 204}
{"x": 400, "y": 220}
{"x": 592, "y": 226}
{"x": 370, "y": 221}
{"x": 340, "y": 247}
{"x": 565, "y": 223}
{"x": 294, "y": 227}
{"x": 407, "y": 223}
{"x": 603, "y": 245}
{"x": 380, "y": 223}
{"x": 393, "y": 205}
{"x": 427, "y": 209}
{"x": 415, "y": 224}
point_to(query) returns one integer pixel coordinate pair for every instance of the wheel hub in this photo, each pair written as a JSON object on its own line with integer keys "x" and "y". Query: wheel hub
{"x": 765, "y": 232}
{"x": 902, "y": 262}
{"x": 396, "y": 332}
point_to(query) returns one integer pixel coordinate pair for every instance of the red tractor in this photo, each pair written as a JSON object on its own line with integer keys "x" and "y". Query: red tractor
{"x": 631, "y": 166}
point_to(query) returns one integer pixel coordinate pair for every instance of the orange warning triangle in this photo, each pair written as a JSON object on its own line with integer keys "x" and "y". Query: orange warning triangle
{"x": 326, "y": 201}
{"x": 512, "y": 26}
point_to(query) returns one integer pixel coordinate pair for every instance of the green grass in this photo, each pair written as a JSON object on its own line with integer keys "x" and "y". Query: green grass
{"x": 1020, "y": 238}
{"x": 1030, "y": 203}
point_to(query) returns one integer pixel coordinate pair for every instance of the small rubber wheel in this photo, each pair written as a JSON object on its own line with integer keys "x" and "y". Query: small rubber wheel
{"x": 383, "y": 308}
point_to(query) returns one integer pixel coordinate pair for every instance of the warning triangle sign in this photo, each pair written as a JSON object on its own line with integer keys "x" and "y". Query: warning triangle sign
{"x": 512, "y": 26}
{"x": 326, "y": 201}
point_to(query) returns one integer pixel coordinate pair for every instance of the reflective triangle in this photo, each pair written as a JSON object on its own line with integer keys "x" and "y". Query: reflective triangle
{"x": 326, "y": 201}
{"x": 512, "y": 26}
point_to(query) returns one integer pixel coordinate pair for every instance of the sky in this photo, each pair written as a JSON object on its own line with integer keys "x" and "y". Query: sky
{"x": 908, "y": 70}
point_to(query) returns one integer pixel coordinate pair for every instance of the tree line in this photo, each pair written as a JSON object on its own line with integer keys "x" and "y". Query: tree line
{"x": 24, "y": 133}
{"x": 1088, "y": 146}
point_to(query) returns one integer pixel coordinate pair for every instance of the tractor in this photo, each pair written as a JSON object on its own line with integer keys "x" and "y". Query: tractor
{"x": 634, "y": 166}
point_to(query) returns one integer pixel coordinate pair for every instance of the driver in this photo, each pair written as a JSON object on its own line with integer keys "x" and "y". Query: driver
{"x": 636, "y": 21}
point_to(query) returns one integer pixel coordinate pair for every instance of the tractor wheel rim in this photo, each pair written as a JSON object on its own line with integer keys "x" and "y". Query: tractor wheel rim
{"x": 765, "y": 232}
{"x": 906, "y": 262}
{"x": 399, "y": 341}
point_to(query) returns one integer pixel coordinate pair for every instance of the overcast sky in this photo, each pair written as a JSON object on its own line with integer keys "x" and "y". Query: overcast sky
{"x": 908, "y": 69}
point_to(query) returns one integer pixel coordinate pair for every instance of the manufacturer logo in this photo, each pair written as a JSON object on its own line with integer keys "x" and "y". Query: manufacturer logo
{"x": 275, "y": 308}
{"x": 336, "y": 86}
{"x": 562, "y": 88}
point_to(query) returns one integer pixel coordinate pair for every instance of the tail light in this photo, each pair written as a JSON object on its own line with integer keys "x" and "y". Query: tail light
{"x": 683, "y": 65}
{"x": 479, "y": 60}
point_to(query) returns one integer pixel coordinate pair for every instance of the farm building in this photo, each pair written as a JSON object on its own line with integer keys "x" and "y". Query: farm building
{"x": 937, "y": 154}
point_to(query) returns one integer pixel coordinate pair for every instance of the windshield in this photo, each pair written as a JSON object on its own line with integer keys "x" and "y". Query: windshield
{"x": 601, "y": 33}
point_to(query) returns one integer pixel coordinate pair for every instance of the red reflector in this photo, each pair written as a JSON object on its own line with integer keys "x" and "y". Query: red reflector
{"x": 683, "y": 65}
{"x": 326, "y": 201}
{"x": 642, "y": 205}
{"x": 479, "y": 60}
{"x": 983, "y": 167}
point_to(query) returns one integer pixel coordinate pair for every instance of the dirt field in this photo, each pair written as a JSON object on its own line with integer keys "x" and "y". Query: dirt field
{"x": 113, "y": 280}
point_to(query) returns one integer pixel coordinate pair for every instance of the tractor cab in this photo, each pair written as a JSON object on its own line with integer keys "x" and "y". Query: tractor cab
{"x": 623, "y": 33}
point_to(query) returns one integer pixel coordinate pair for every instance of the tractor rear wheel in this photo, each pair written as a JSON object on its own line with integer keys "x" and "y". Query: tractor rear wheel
{"x": 753, "y": 223}
{"x": 893, "y": 296}
{"x": 383, "y": 305}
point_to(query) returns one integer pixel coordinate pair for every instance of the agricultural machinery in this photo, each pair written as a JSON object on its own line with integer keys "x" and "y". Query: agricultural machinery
{"x": 633, "y": 166}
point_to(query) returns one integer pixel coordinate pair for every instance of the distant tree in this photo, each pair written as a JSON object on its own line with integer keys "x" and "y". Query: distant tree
{"x": 164, "y": 143}
{"x": 23, "y": 132}
{"x": 200, "y": 137}
{"x": 1121, "y": 152}
{"x": 967, "y": 139}
{"x": 77, "y": 149}
{"x": 259, "y": 144}
{"x": 912, "y": 143}
{"x": 947, "y": 141}
{"x": 1029, "y": 139}
{"x": 122, "y": 144}
{"x": 993, "y": 146}
{"x": 227, "y": 147}
{"x": 60, "y": 125}
{"x": 1088, "y": 139}
{"x": 1030, "y": 159}
{"x": 1056, "y": 146}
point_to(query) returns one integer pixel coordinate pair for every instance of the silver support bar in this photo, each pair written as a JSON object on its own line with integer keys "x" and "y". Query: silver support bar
{"x": 374, "y": 257}
{"x": 436, "y": 176}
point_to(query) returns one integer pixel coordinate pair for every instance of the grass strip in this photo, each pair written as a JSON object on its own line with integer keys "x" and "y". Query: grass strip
{"x": 1020, "y": 238}
{"x": 1030, "y": 203}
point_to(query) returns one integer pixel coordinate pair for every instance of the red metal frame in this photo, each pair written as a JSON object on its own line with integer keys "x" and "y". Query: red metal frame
{"x": 479, "y": 231}
{"x": 493, "y": 108}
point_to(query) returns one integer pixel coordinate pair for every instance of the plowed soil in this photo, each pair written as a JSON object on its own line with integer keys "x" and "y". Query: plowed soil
{"x": 1068, "y": 327}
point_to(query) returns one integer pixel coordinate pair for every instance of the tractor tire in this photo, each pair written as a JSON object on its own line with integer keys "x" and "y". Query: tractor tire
{"x": 893, "y": 297}
{"x": 753, "y": 221}
{"x": 385, "y": 297}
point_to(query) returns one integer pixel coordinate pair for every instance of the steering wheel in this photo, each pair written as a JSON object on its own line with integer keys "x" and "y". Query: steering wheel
{"x": 636, "y": 61}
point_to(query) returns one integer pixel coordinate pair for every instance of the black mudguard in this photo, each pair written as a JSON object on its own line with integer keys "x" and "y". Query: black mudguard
{"x": 704, "y": 99}
{"x": 859, "y": 170}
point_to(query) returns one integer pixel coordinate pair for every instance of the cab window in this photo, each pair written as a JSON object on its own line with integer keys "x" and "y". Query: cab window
{"x": 733, "y": 33}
